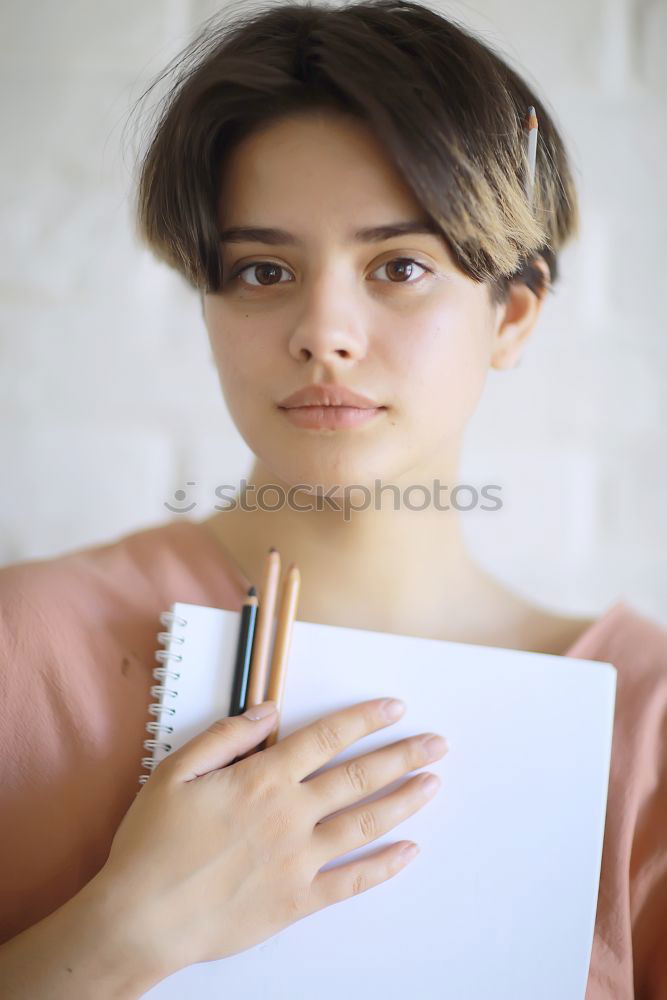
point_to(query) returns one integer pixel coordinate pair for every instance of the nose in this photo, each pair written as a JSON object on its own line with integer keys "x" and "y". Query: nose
{"x": 328, "y": 340}
{"x": 324, "y": 351}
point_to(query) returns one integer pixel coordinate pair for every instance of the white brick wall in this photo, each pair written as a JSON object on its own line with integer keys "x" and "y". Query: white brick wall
{"x": 110, "y": 401}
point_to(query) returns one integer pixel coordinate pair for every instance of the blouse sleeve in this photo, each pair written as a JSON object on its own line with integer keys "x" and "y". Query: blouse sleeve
{"x": 74, "y": 700}
{"x": 648, "y": 858}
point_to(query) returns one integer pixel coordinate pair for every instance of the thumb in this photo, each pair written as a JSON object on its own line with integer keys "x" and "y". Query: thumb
{"x": 223, "y": 741}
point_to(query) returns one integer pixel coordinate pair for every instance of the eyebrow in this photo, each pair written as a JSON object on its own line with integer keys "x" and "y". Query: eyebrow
{"x": 371, "y": 234}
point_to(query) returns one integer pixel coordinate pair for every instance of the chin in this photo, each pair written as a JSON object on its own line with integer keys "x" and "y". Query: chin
{"x": 332, "y": 474}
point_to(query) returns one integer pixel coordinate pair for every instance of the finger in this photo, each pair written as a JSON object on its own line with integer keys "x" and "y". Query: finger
{"x": 346, "y": 783}
{"x": 220, "y": 744}
{"x": 307, "y": 749}
{"x": 365, "y": 823}
{"x": 340, "y": 883}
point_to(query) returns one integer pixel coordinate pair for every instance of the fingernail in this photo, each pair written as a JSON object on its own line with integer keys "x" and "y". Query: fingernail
{"x": 408, "y": 852}
{"x": 392, "y": 708}
{"x": 430, "y": 784}
{"x": 261, "y": 711}
{"x": 435, "y": 746}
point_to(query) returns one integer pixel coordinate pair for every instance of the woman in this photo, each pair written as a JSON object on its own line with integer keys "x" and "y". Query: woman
{"x": 346, "y": 190}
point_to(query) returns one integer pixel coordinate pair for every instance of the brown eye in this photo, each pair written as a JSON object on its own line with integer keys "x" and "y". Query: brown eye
{"x": 265, "y": 269}
{"x": 400, "y": 269}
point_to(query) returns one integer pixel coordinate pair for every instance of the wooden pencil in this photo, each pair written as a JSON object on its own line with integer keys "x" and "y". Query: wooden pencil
{"x": 286, "y": 616}
{"x": 531, "y": 126}
{"x": 243, "y": 652}
{"x": 259, "y": 664}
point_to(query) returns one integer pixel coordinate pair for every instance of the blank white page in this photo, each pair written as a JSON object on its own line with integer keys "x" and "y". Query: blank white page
{"x": 500, "y": 903}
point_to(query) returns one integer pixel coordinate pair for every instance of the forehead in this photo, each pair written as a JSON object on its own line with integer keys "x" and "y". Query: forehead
{"x": 322, "y": 168}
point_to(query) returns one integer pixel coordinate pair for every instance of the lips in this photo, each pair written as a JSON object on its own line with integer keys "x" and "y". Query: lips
{"x": 328, "y": 395}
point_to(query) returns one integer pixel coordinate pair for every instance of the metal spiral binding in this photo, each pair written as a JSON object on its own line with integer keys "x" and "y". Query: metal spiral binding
{"x": 160, "y": 691}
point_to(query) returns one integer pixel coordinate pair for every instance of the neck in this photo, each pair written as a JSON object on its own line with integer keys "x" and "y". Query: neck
{"x": 395, "y": 570}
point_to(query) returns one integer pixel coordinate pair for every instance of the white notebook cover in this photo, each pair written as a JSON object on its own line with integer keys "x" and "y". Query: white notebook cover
{"x": 500, "y": 903}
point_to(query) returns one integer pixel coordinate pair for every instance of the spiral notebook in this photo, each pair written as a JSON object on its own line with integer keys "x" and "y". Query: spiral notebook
{"x": 501, "y": 900}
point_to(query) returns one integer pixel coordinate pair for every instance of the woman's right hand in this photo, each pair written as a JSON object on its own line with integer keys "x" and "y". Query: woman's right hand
{"x": 216, "y": 853}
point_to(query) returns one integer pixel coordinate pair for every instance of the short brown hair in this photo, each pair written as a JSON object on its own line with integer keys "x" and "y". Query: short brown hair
{"x": 448, "y": 110}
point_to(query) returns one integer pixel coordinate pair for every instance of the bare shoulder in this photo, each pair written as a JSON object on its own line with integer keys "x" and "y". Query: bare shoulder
{"x": 544, "y": 632}
{"x": 512, "y": 621}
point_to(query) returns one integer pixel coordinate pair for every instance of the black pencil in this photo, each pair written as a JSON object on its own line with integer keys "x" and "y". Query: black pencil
{"x": 244, "y": 652}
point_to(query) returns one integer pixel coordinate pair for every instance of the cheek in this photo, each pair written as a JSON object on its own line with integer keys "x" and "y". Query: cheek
{"x": 240, "y": 366}
{"x": 443, "y": 368}
{"x": 236, "y": 350}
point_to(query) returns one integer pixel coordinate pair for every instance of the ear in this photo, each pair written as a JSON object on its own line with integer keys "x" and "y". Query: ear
{"x": 516, "y": 320}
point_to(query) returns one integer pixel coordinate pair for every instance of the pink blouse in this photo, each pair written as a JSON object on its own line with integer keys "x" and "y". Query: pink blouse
{"x": 77, "y": 643}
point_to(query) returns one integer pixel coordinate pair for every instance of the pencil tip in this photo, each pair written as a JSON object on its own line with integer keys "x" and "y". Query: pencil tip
{"x": 252, "y": 591}
{"x": 272, "y": 549}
